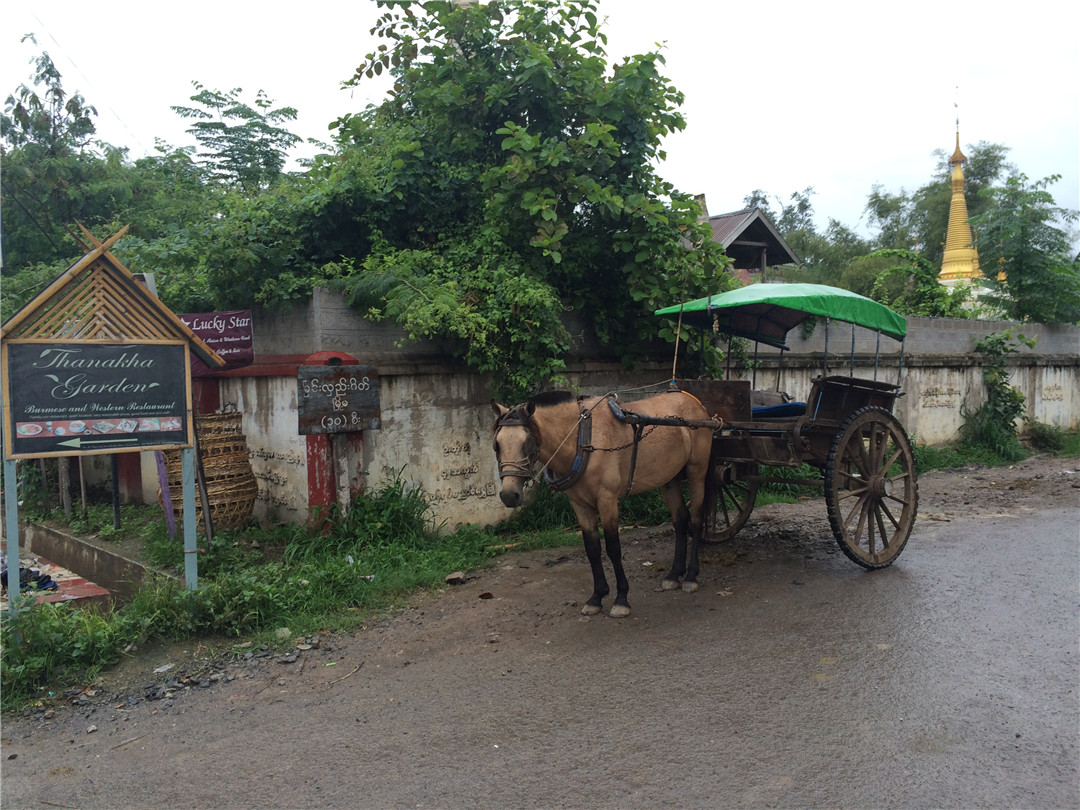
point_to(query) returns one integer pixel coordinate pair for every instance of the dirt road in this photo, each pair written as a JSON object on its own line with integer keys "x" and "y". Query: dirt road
{"x": 791, "y": 678}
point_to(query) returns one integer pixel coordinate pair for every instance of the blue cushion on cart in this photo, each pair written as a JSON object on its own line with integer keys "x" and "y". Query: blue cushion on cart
{"x": 779, "y": 411}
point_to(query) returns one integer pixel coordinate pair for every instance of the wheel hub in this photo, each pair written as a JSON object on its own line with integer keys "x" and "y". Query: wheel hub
{"x": 879, "y": 486}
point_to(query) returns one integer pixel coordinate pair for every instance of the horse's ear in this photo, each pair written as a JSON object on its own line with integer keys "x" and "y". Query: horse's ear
{"x": 497, "y": 408}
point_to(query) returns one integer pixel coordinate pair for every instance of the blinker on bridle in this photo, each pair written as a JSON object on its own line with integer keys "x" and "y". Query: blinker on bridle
{"x": 520, "y": 467}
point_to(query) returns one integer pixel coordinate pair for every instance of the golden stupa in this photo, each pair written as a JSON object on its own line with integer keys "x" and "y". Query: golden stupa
{"x": 961, "y": 260}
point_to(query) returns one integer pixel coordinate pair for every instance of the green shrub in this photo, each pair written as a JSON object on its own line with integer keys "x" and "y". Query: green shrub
{"x": 1044, "y": 437}
{"x": 992, "y": 426}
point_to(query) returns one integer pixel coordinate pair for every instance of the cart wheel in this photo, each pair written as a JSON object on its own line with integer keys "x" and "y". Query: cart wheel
{"x": 870, "y": 487}
{"x": 737, "y": 485}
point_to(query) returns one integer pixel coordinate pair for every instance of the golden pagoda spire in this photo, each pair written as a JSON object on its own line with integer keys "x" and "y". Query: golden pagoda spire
{"x": 961, "y": 259}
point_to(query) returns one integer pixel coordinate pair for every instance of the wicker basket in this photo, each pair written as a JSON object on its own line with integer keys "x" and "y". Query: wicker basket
{"x": 231, "y": 487}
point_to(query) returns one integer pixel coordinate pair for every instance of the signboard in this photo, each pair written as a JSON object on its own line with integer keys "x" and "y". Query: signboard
{"x": 87, "y": 398}
{"x": 227, "y": 333}
{"x": 337, "y": 399}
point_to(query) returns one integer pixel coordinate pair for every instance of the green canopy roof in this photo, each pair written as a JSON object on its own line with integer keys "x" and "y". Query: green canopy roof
{"x": 767, "y": 312}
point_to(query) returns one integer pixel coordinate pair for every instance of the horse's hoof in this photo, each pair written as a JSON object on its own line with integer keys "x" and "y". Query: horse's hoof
{"x": 619, "y": 611}
{"x": 689, "y": 587}
{"x": 670, "y": 584}
{"x": 590, "y": 610}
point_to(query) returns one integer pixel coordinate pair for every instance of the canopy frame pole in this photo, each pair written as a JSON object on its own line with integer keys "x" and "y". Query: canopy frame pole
{"x": 877, "y": 354}
{"x": 853, "y": 350}
{"x": 825, "y": 361}
{"x": 757, "y": 345}
{"x": 730, "y": 337}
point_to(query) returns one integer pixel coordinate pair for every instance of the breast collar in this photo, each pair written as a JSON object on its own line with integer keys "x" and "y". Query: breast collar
{"x": 581, "y": 457}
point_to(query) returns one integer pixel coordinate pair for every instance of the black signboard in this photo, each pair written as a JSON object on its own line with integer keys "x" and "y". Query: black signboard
{"x": 337, "y": 399}
{"x": 86, "y": 398}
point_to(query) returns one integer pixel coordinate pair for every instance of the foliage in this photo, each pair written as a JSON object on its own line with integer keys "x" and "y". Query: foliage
{"x": 920, "y": 291}
{"x": 251, "y": 583}
{"x": 824, "y": 255}
{"x": 55, "y": 643}
{"x": 1045, "y": 437}
{"x": 52, "y": 119}
{"x": 1025, "y": 256}
{"x": 774, "y": 490}
{"x": 395, "y": 513}
{"x": 52, "y": 173}
{"x": 243, "y": 145}
{"x": 992, "y": 425}
{"x": 23, "y": 286}
{"x": 954, "y": 456}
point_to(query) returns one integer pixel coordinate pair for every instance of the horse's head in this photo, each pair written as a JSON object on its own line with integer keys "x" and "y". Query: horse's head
{"x": 517, "y": 449}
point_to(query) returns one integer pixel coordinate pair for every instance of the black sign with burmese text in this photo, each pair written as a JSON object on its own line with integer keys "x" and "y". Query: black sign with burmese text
{"x": 337, "y": 399}
{"x": 80, "y": 398}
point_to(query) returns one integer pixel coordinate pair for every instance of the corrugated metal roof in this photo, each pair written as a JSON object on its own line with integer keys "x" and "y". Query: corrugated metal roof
{"x": 744, "y": 234}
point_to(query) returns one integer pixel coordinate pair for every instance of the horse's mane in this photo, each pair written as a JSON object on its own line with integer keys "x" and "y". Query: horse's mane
{"x": 548, "y": 398}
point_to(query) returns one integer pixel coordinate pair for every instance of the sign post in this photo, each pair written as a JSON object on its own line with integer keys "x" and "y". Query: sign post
{"x": 337, "y": 399}
{"x": 331, "y": 401}
{"x": 85, "y": 399}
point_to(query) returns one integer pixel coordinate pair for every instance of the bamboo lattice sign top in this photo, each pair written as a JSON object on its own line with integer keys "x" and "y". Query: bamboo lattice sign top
{"x": 98, "y": 299}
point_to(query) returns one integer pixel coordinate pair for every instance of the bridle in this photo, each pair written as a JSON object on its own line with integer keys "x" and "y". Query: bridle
{"x": 522, "y": 467}
{"x": 518, "y": 467}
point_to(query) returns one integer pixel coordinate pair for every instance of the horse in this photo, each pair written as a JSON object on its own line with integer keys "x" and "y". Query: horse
{"x": 607, "y": 460}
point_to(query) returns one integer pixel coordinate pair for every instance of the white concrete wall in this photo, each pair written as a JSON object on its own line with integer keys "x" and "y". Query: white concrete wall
{"x": 278, "y": 452}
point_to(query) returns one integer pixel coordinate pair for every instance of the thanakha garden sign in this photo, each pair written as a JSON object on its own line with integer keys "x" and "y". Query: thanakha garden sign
{"x": 67, "y": 398}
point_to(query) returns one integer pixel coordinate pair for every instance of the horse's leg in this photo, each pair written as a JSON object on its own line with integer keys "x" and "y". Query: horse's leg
{"x": 680, "y": 519}
{"x": 697, "y": 487}
{"x": 590, "y": 534}
{"x": 609, "y": 519}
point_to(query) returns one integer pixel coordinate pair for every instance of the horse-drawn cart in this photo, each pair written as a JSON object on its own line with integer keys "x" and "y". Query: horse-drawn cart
{"x": 599, "y": 451}
{"x": 846, "y": 427}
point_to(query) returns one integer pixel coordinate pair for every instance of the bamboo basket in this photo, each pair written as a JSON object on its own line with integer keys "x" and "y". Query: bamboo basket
{"x": 231, "y": 487}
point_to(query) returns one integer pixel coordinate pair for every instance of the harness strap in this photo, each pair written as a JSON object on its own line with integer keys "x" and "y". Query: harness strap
{"x": 581, "y": 459}
{"x": 638, "y": 427}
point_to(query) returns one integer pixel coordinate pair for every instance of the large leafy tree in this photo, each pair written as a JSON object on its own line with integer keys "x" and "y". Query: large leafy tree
{"x": 513, "y": 179}
{"x": 1026, "y": 255}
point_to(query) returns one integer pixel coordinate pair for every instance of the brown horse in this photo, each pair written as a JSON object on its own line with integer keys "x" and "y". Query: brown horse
{"x": 597, "y": 459}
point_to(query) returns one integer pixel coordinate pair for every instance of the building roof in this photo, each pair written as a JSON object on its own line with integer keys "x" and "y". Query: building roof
{"x": 745, "y": 233}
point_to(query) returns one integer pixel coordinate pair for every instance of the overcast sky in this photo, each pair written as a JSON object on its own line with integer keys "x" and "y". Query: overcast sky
{"x": 780, "y": 96}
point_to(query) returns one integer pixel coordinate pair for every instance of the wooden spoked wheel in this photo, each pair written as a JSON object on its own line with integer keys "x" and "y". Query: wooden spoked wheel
{"x": 870, "y": 487}
{"x": 737, "y": 486}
